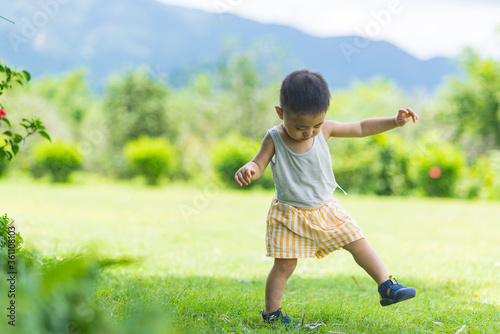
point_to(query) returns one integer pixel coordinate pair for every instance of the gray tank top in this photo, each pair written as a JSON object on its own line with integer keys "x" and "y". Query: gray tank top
{"x": 302, "y": 179}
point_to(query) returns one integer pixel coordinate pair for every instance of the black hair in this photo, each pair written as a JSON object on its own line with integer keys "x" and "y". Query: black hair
{"x": 304, "y": 92}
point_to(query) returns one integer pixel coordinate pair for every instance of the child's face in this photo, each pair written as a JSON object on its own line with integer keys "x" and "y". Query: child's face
{"x": 302, "y": 127}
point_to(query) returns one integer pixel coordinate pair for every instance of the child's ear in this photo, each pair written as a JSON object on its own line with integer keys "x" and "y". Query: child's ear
{"x": 279, "y": 111}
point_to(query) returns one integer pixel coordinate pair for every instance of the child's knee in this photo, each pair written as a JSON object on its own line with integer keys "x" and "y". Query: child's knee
{"x": 355, "y": 246}
{"x": 285, "y": 265}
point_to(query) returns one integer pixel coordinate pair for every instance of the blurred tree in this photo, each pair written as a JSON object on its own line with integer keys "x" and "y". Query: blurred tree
{"x": 249, "y": 108}
{"x": 70, "y": 94}
{"x": 475, "y": 100}
{"x": 134, "y": 105}
{"x": 378, "y": 97}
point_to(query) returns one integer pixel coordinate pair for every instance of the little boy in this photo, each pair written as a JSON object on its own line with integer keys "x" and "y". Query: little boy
{"x": 305, "y": 219}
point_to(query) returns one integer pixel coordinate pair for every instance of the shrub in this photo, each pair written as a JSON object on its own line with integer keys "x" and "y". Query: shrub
{"x": 356, "y": 164}
{"x": 231, "y": 154}
{"x": 482, "y": 180}
{"x": 59, "y": 160}
{"x": 394, "y": 163}
{"x": 436, "y": 167}
{"x": 150, "y": 157}
{"x": 388, "y": 164}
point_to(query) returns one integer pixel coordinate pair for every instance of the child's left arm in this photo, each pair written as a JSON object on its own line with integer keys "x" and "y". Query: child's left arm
{"x": 370, "y": 126}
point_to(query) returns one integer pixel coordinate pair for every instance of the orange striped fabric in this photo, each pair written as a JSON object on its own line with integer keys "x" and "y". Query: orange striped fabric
{"x": 294, "y": 232}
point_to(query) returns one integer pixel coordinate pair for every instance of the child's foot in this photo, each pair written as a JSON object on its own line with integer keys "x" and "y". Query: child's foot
{"x": 280, "y": 317}
{"x": 391, "y": 292}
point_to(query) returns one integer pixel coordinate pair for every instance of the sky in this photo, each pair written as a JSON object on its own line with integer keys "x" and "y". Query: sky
{"x": 423, "y": 28}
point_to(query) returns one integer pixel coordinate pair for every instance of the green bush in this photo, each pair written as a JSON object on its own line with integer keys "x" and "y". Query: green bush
{"x": 482, "y": 180}
{"x": 150, "y": 157}
{"x": 58, "y": 159}
{"x": 373, "y": 165}
{"x": 436, "y": 167}
{"x": 356, "y": 164}
{"x": 394, "y": 160}
{"x": 231, "y": 154}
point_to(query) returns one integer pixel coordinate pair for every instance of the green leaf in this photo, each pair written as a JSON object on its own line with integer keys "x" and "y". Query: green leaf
{"x": 7, "y": 121}
{"x": 45, "y": 135}
{"x": 27, "y": 75}
{"x": 8, "y": 133}
{"x": 17, "y": 138}
{"x": 2, "y": 69}
{"x": 15, "y": 148}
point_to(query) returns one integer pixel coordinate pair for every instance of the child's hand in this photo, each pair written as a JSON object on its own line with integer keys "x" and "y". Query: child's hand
{"x": 404, "y": 116}
{"x": 244, "y": 175}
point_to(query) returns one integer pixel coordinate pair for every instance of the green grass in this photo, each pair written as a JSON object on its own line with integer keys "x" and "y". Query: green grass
{"x": 201, "y": 264}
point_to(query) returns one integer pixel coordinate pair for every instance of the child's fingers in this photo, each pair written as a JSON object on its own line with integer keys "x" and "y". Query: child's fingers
{"x": 412, "y": 114}
{"x": 248, "y": 176}
{"x": 244, "y": 176}
{"x": 240, "y": 178}
{"x": 237, "y": 179}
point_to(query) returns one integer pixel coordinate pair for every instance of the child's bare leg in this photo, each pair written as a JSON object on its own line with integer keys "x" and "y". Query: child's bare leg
{"x": 367, "y": 258}
{"x": 276, "y": 282}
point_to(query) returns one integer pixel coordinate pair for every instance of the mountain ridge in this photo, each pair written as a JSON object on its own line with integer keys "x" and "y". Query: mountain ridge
{"x": 107, "y": 37}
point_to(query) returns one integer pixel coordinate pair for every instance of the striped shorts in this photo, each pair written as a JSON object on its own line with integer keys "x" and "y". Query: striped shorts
{"x": 294, "y": 232}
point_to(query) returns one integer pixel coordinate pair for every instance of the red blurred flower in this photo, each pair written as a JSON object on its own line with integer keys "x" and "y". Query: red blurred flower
{"x": 434, "y": 172}
{"x": 2, "y": 114}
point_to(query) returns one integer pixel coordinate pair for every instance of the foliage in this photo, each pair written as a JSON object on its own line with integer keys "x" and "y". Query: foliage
{"x": 230, "y": 154}
{"x": 436, "y": 167}
{"x": 9, "y": 239}
{"x": 394, "y": 159}
{"x": 3, "y": 166}
{"x": 378, "y": 164}
{"x": 70, "y": 94}
{"x": 53, "y": 295}
{"x": 482, "y": 180}
{"x": 59, "y": 160}
{"x": 150, "y": 157}
{"x": 239, "y": 98}
{"x": 250, "y": 97}
{"x": 356, "y": 164}
{"x": 134, "y": 105}
{"x": 475, "y": 100}
{"x": 11, "y": 139}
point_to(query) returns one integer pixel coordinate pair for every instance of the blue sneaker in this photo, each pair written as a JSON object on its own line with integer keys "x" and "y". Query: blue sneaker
{"x": 279, "y": 317}
{"x": 391, "y": 292}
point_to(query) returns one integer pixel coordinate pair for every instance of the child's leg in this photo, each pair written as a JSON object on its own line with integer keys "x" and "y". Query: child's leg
{"x": 276, "y": 282}
{"x": 367, "y": 258}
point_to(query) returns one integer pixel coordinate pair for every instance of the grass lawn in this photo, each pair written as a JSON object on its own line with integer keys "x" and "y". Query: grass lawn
{"x": 201, "y": 264}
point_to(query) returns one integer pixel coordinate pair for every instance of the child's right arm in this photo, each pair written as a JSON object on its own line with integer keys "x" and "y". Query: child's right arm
{"x": 254, "y": 168}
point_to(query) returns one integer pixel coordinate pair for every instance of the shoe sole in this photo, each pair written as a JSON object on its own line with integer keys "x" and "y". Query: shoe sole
{"x": 401, "y": 295}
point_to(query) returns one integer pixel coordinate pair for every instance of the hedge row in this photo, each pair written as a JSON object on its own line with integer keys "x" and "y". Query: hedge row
{"x": 384, "y": 164}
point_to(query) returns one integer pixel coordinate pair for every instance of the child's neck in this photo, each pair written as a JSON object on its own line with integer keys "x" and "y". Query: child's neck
{"x": 296, "y": 146}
